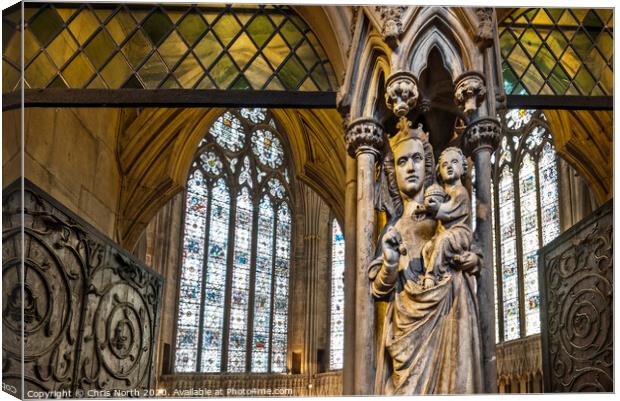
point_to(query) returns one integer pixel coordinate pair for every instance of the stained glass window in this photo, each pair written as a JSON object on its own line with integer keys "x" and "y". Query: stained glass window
{"x": 525, "y": 217}
{"x": 557, "y": 51}
{"x": 149, "y": 46}
{"x": 230, "y": 236}
{"x": 336, "y": 343}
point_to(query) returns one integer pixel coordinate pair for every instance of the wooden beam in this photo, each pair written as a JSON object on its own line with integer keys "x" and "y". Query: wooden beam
{"x": 59, "y": 97}
{"x": 560, "y": 102}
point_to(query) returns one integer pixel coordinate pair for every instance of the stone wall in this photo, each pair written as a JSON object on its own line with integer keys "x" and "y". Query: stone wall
{"x": 70, "y": 153}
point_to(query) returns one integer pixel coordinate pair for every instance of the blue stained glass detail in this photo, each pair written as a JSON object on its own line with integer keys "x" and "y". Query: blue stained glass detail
{"x": 336, "y": 346}
{"x": 279, "y": 339}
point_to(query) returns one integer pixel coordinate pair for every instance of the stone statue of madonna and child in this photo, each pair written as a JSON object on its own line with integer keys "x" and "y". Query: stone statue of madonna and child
{"x": 426, "y": 269}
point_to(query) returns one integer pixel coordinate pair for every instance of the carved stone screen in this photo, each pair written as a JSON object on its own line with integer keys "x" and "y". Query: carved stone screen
{"x": 90, "y": 311}
{"x": 576, "y": 277}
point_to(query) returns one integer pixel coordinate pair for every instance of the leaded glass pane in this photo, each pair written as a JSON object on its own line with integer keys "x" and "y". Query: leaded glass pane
{"x": 262, "y": 287}
{"x": 228, "y": 132}
{"x": 280, "y": 307}
{"x": 549, "y": 194}
{"x": 191, "y": 273}
{"x": 528, "y": 198}
{"x": 336, "y": 343}
{"x": 509, "y": 255}
{"x": 267, "y": 148}
{"x": 202, "y": 46}
{"x": 207, "y": 257}
{"x": 213, "y": 314}
{"x": 568, "y": 55}
{"x": 240, "y": 283}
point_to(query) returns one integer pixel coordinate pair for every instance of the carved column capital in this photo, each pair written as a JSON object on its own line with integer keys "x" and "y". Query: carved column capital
{"x": 484, "y": 32}
{"x": 401, "y": 92}
{"x": 364, "y": 135}
{"x": 469, "y": 91}
{"x": 392, "y": 25}
{"x": 483, "y": 133}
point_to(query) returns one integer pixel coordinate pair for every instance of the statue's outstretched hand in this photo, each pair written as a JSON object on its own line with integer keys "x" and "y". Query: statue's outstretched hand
{"x": 391, "y": 243}
{"x": 467, "y": 261}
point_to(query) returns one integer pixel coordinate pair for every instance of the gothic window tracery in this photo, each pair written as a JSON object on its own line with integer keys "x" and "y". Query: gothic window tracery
{"x": 233, "y": 298}
{"x": 525, "y": 218}
{"x": 336, "y": 343}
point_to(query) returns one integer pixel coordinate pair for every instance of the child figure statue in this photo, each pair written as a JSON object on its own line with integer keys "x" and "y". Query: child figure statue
{"x": 449, "y": 203}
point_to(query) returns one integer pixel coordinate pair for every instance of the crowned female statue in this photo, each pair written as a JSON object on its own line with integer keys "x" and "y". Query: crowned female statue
{"x": 430, "y": 340}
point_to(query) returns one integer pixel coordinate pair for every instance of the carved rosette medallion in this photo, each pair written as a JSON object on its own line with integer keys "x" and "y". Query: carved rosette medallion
{"x": 484, "y": 32}
{"x": 401, "y": 92}
{"x": 481, "y": 134}
{"x": 392, "y": 26}
{"x": 364, "y": 135}
{"x": 469, "y": 91}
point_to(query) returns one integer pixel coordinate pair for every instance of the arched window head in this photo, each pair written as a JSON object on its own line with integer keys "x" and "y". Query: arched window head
{"x": 336, "y": 337}
{"x": 233, "y": 297}
{"x": 525, "y": 217}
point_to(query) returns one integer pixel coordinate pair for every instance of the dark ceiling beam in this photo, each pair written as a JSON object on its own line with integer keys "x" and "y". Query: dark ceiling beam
{"x": 560, "y": 102}
{"x": 57, "y": 97}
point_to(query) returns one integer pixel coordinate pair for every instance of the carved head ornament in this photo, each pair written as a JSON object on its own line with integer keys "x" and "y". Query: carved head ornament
{"x": 470, "y": 91}
{"x": 401, "y": 92}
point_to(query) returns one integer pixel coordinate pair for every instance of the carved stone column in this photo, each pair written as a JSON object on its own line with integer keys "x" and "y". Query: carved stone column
{"x": 364, "y": 139}
{"x": 470, "y": 91}
{"x": 480, "y": 139}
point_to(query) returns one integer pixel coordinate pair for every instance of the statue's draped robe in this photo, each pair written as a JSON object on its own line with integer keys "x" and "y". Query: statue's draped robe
{"x": 430, "y": 342}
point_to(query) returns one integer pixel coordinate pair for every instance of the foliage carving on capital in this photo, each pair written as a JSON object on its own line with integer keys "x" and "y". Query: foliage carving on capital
{"x": 484, "y": 33}
{"x": 482, "y": 133}
{"x": 392, "y": 26}
{"x": 470, "y": 91}
{"x": 364, "y": 134}
{"x": 401, "y": 92}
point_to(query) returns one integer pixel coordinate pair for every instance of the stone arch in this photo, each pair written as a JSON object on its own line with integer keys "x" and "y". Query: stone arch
{"x": 448, "y": 30}
{"x": 159, "y": 145}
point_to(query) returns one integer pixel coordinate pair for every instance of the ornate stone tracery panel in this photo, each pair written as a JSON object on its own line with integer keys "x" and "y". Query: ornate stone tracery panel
{"x": 90, "y": 312}
{"x": 576, "y": 276}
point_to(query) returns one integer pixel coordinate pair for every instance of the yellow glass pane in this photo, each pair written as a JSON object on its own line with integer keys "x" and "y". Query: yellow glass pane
{"x": 206, "y": 83}
{"x": 244, "y": 17}
{"x": 97, "y": 83}
{"x": 153, "y": 72}
{"x": 121, "y": 25}
{"x": 192, "y": 27}
{"x": 531, "y": 41}
{"x": 39, "y": 73}
{"x": 62, "y": 48}
{"x": 308, "y": 85}
{"x": 607, "y": 80}
{"x": 136, "y": 48}
{"x": 276, "y": 51}
{"x": 275, "y": 85}
{"x": 188, "y": 72}
{"x": 542, "y": 18}
{"x": 10, "y": 77}
{"x": 65, "y": 12}
{"x": 12, "y": 50}
{"x": 319, "y": 77}
{"x": 258, "y": 72}
{"x": 100, "y": 48}
{"x": 316, "y": 45}
{"x": 170, "y": 83}
{"x": 519, "y": 60}
{"x": 207, "y": 49}
{"x": 83, "y": 25}
{"x": 570, "y": 62}
{"x": 223, "y": 72}
{"x": 78, "y": 72}
{"x": 533, "y": 80}
{"x": 116, "y": 72}
{"x": 242, "y": 50}
{"x": 31, "y": 47}
{"x": 226, "y": 28}
{"x": 172, "y": 49}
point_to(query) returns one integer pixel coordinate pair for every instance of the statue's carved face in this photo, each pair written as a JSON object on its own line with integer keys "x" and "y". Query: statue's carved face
{"x": 409, "y": 167}
{"x": 450, "y": 166}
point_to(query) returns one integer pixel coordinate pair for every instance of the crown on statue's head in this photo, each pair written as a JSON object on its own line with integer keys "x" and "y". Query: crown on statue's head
{"x": 405, "y": 132}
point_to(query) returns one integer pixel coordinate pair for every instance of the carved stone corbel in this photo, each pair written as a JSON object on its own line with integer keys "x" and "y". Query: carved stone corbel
{"x": 482, "y": 134}
{"x": 401, "y": 92}
{"x": 364, "y": 135}
{"x": 469, "y": 91}
{"x": 484, "y": 33}
{"x": 392, "y": 26}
